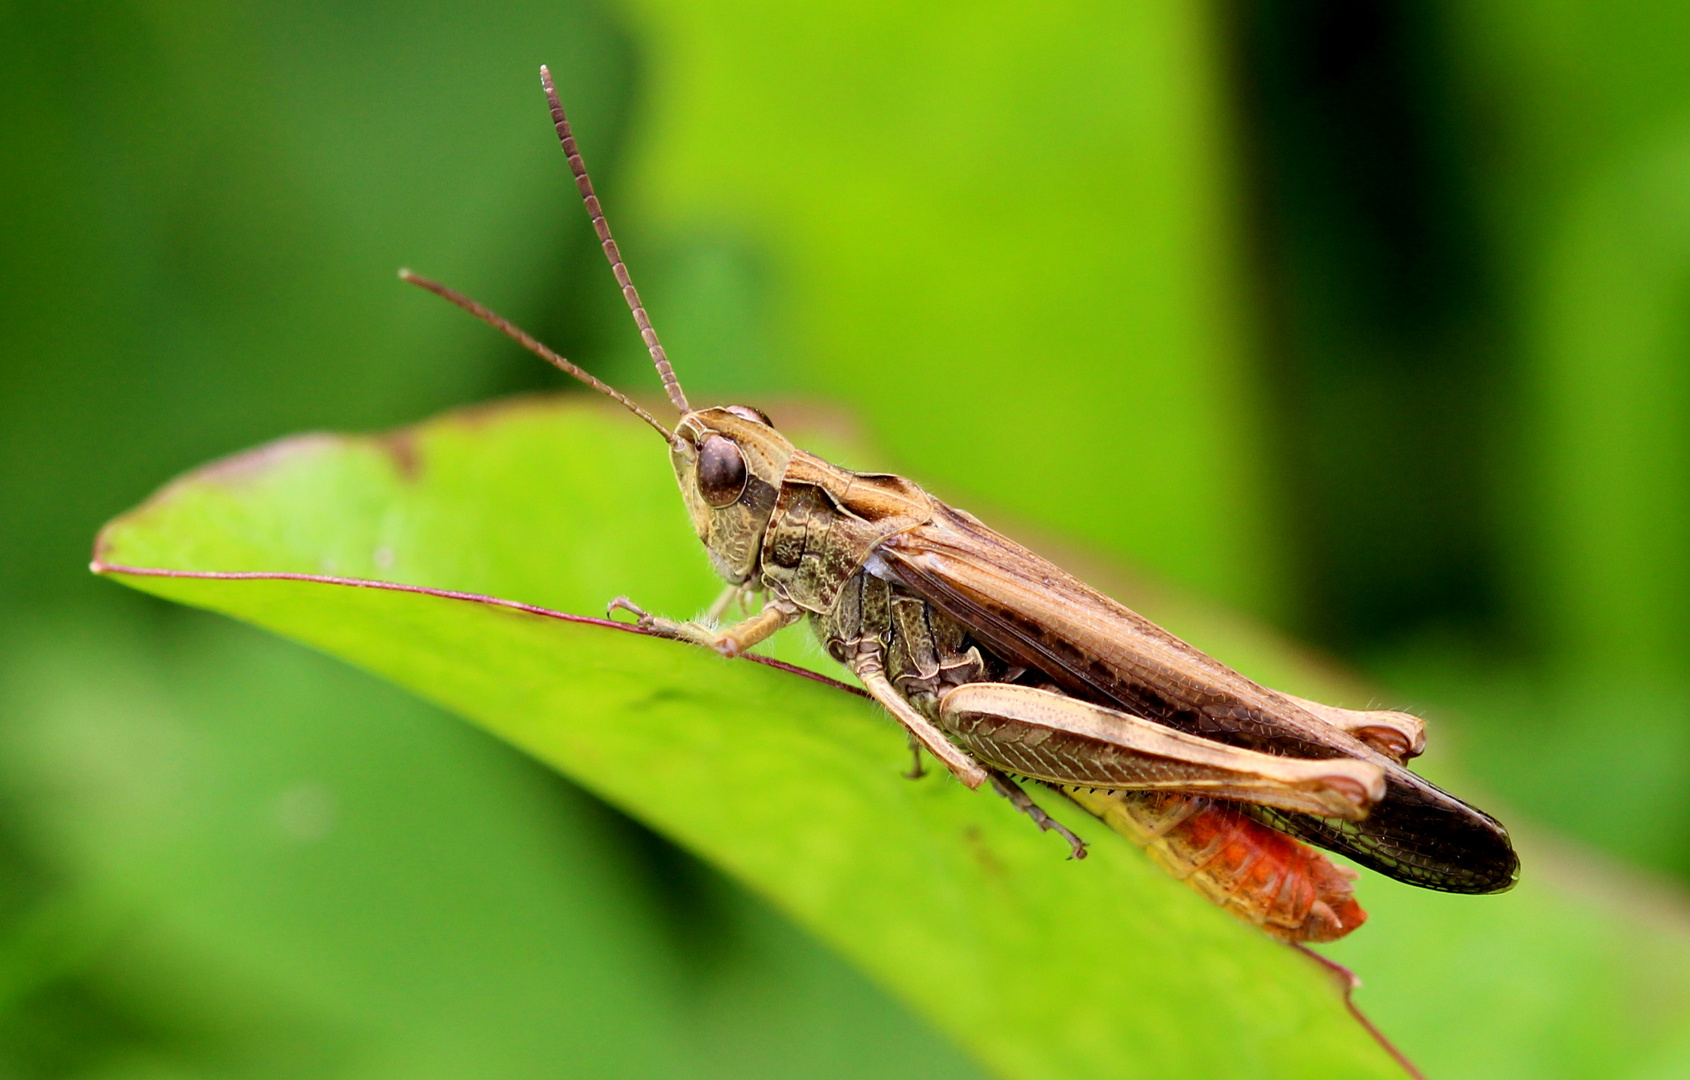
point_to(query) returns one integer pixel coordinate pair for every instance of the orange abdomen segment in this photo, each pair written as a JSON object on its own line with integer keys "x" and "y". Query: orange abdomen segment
{"x": 1283, "y": 886}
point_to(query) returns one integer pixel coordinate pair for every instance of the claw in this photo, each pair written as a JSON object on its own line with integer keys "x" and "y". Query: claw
{"x": 1076, "y": 846}
{"x": 622, "y": 603}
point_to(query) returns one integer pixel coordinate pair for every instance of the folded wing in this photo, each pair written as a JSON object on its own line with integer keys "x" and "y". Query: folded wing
{"x": 1099, "y": 650}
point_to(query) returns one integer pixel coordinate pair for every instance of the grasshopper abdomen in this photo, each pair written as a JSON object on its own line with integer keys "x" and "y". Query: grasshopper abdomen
{"x": 1287, "y": 888}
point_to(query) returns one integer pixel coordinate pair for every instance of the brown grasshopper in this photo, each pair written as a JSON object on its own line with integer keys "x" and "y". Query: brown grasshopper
{"x": 1002, "y": 666}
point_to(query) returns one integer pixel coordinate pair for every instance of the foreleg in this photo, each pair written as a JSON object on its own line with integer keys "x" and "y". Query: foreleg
{"x": 730, "y": 640}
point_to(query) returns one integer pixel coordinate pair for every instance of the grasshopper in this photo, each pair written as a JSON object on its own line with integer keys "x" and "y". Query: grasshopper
{"x": 1002, "y": 666}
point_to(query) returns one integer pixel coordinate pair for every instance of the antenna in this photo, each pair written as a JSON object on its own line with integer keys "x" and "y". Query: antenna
{"x": 671, "y": 385}
{"x": 522, "y": 338}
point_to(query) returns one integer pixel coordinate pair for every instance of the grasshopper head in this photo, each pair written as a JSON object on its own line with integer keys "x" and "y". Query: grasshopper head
{"x": 730, "y": 462}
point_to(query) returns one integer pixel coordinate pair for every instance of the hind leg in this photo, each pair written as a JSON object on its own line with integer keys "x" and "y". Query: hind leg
{"x": 1023, "y": 802}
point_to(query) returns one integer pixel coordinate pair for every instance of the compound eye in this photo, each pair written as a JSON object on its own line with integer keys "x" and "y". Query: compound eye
{"x": 721, "y": 471}
{"x": 746, "y": 412}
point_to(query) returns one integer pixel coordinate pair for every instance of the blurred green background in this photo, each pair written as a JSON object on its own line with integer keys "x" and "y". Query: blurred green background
{"x": 1366, "y": 321}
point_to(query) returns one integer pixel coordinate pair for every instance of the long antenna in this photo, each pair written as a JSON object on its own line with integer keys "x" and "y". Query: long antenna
{"x": 671, "y": 385}
{"x": 521, "y": 337}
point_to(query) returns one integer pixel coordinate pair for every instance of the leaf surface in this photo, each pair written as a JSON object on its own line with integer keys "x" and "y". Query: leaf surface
{"x": 1039, "y": 966}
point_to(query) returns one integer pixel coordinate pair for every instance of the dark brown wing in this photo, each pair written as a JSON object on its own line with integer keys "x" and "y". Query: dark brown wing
{"x": 1418, "y": 833}
{"x": 1030, "y": 612}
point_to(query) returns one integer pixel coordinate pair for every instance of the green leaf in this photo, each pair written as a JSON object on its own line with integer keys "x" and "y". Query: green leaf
{"x": 1040, "y": 966}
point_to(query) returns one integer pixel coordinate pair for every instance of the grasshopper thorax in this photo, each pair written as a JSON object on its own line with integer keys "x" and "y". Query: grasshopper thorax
{"x": 729, "y": 463}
